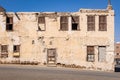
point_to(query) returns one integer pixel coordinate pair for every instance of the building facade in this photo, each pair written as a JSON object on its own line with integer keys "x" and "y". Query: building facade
{"x": 84, "y": 38}
{"x": 117, "y": 53}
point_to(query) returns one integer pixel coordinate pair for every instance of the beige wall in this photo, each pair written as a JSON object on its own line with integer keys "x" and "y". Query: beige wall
{"x": 70, "y": 45}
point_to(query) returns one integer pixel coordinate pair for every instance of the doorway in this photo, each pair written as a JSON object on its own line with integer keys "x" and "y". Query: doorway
{"x": 51, "y": 57}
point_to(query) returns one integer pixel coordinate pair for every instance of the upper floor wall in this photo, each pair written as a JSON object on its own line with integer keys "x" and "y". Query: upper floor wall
{"x": 86, "y": 22}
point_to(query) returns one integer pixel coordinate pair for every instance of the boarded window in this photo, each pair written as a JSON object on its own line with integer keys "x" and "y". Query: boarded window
{"x": 64, "y": 23}
{"x": 90, "y": 53}
{"x": 90, "y": 23}
{"x": 4, "y": 51}
{"x": 16, "y": 48}
{"x": 4, "y": 48}
{"x": 102, "y": 54}
{"x": 102, "y": 23}
{"x": 9, "y": 23}
{"x": 75, "y": 23}
{"x": 41, "y": 23}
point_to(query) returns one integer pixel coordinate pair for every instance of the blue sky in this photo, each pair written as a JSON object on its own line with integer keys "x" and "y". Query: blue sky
{"x": 62, "y": 6}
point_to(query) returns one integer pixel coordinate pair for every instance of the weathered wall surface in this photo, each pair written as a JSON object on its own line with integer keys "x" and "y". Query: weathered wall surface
{"x": 70, "y": 45}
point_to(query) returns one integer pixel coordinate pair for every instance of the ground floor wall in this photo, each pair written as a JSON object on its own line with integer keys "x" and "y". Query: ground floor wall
{"x": 63, "y": 51}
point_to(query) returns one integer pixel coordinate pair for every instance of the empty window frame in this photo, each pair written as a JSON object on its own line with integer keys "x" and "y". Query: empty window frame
{"x": 41, "y": 23}
{"x": 90, "y": 23}
{"x": 4, "y": 51}
{"x": 117, "y": 54}
{"x": 117, "y": 47}
{"x": 90, "y": 54}
{"x": 102, "y": 23}
{"x": 102, "y": 53}
{"x": 9, "y": 23}
{"x": 75, "y": 22}
{"x": 64, "y": 23}
{"x": 16, "y": 48}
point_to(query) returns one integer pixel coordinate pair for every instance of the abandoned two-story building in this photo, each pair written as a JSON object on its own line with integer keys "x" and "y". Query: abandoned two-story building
{"x": 84, "y": 38}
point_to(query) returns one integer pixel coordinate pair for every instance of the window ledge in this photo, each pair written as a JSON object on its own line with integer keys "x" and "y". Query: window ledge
{"x": 9, "y": 30}
{"x": 76, "y": 30}
{"x": 41, "y": 30}
{"x": 63, "y": 30}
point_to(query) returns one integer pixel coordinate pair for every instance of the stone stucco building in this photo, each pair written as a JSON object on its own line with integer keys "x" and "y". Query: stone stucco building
{"x": 117, "y": 52}
{"x": 84, "y": 38}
